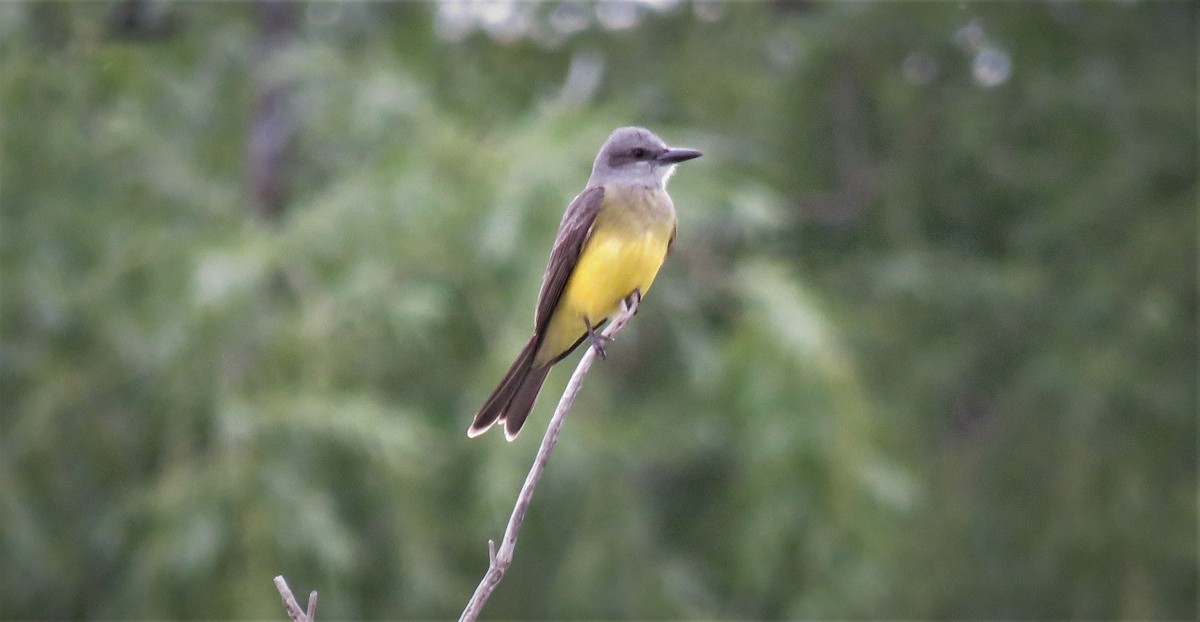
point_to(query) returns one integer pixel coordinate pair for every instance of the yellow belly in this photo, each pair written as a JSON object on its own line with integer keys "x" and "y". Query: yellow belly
{"x": 623, "y": 254}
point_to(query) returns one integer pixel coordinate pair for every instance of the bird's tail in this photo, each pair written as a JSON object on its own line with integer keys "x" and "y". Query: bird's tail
{"x": 514, "y": 396}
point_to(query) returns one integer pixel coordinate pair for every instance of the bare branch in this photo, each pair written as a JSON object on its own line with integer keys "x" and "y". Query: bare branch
{"x": 312, "y": 606}
{"x": 499, "y": 560}
{"x": 292, "y": 607}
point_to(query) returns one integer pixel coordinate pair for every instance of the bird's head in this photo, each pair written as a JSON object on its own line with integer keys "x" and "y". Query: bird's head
{"x": 636, "y": 155}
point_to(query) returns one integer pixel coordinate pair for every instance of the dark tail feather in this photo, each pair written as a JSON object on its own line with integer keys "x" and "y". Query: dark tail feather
{"x": 523, "y": 400}
{"x": 514, "y": 396}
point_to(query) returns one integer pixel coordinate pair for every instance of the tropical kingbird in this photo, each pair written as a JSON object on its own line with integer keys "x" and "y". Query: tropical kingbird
{"x": 610, "y": 245}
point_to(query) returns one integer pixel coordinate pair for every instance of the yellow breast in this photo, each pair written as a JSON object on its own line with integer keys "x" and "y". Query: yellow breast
{"x": 627, "y": 246}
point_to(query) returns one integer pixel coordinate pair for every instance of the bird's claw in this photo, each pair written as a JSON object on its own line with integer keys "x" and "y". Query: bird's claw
{"x": 598, "y": 340}
{"x": 633, "y": 300}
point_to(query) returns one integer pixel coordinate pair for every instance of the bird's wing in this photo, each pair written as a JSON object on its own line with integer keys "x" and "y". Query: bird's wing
{"x": 573, "y": 233}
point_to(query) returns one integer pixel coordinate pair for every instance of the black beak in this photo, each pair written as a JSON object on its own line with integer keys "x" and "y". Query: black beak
{"x": 675, "y": 156}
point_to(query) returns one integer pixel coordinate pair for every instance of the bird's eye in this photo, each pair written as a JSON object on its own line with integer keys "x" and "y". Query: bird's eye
{"x": 638, "y": 153}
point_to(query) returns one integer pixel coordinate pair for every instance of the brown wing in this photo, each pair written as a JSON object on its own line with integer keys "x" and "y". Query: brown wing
{"x": 513, "y": 398}
{"x": 573, "y": 232}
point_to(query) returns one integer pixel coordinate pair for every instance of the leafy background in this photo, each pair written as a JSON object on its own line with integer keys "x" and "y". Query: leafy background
{"x": 926, "y": 346}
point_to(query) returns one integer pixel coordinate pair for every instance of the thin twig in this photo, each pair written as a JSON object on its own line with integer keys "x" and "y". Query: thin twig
{"x": 499, "y": 560}
{"x": 312, "y": 607}
{"x": 292, "y": 607}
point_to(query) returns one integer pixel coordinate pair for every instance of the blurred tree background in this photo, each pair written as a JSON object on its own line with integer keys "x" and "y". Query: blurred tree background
{"x": 926, "y": 346}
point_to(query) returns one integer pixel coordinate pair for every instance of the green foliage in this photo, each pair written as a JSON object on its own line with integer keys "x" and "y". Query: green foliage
{"x": 926, "y": 345}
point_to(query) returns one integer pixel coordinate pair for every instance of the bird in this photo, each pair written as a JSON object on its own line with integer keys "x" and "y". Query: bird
{"x": 613, "y": 238}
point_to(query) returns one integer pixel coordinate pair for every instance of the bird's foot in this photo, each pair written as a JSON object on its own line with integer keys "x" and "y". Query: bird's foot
{"x": 598, "y": 340}
{"x": 633, "y": 300}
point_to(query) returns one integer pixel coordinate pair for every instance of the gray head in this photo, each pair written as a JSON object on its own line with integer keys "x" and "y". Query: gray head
{"x": 635, "y": 155}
